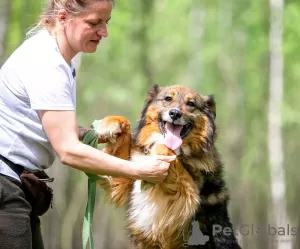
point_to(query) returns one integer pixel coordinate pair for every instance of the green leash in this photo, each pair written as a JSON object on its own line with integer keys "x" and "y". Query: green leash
{"x": 90, "y": 138}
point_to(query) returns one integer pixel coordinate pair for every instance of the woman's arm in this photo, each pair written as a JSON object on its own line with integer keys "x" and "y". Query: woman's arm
{"x": 62, "y": 131}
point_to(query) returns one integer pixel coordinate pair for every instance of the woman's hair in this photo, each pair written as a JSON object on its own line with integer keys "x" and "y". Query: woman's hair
{"x": 47, "y": 19}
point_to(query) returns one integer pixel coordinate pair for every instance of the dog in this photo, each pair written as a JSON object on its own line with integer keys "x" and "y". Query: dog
{"x": 175, "y": 120}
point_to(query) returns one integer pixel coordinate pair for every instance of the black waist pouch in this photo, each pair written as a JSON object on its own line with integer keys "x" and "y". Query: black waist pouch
{"x": 37, "y": 192}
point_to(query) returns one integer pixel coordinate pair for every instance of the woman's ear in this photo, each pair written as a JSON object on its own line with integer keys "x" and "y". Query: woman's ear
{"x": 62, "y": 16}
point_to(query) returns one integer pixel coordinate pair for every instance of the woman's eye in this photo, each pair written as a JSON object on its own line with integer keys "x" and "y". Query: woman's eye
{"x": 92, "y": 24}
{"x": 190, "y": 104}
{"x": 168, "y": 99}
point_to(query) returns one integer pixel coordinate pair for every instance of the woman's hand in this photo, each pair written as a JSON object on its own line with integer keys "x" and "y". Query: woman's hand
{"x": 152, "y": 169}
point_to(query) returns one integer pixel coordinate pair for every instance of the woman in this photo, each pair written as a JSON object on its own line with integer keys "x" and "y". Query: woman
{"x": 37, "y": 117}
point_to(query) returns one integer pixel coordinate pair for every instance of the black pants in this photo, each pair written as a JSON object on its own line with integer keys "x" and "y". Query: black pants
{"x": 18, "y": 229}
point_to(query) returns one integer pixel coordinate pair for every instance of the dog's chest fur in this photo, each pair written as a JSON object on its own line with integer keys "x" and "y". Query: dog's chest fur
{"x": 164, "y": 210}
{"x": 143, "y": 211}
{"x": 158, "y": 216}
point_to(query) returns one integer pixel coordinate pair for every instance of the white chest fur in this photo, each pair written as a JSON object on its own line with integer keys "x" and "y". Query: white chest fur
{"x": 143, "y": 211}
{"x": 154, "y": 212}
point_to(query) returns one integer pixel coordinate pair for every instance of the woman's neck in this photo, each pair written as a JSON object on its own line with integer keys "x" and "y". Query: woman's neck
{"x": 64, "y": 46}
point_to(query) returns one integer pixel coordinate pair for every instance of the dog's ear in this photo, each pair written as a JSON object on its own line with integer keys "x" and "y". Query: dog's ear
{"x": 211, "y": 104}
{"x": 152, "y": 93}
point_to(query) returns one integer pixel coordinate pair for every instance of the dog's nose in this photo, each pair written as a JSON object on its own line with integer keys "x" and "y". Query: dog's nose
{"x": 175, "y": 114}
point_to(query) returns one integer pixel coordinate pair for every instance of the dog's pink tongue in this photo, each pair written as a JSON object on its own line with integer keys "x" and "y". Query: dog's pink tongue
{"x": 172, "y": 137}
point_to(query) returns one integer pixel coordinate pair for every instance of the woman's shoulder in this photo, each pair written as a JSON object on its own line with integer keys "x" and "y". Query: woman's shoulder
{"x": 40, "y": 44}
{"x": 38, "y": 50}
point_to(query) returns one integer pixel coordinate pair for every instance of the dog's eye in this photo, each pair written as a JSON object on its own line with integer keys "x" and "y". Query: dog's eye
{"x": 190, "y": 104}
{"x": 168, "y": 99}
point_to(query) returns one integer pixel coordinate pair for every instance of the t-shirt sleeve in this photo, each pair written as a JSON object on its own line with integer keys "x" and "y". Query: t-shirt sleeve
{"x": 49, "y": 88}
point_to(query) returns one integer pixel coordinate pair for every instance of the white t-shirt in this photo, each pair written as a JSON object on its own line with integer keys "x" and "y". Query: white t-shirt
{"x": 35, "y": 77}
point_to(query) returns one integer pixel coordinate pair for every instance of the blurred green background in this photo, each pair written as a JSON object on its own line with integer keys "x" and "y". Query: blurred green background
{"x": 246, "y": 53}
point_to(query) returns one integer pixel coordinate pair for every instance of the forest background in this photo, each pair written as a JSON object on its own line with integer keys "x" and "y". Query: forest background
{"x": 246, "y": 53}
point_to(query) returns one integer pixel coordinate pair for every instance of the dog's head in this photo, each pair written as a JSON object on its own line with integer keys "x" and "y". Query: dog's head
{"x": 183, "y": 118}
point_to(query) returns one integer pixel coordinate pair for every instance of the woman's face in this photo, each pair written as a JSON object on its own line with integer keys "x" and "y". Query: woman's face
{"x": 85, "y": 31}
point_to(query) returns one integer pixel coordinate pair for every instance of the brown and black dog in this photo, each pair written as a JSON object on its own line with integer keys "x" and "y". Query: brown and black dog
{"x": 175, "y": 120}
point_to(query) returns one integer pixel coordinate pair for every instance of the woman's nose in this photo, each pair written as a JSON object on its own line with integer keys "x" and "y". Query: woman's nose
{"x": 103, "y": 31}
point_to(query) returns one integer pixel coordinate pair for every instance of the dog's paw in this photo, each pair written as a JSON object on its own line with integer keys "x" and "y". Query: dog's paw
{"x": 111, "y": 127}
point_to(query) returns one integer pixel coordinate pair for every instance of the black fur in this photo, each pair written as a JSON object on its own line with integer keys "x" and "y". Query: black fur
{"x": 213, "y": 184}
{"x": 210, "y": 112}
{"x": 211, "y": 215}
{"x": 216, "y": 215}
{"x": 211, "y": 130}
{"x": 212, "y": 104}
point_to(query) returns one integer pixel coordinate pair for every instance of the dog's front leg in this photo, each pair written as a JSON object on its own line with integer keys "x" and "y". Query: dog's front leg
{"x": 218, "y": 227}
{"x": 115, "y": 132}
{"x": 213, "y": 214}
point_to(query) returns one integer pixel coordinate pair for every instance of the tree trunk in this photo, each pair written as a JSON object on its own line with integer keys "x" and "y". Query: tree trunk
{"x": 146, "y": 8}
{"x": 196, "y": 47}
{"x": 276, "y": 156}
{"x": 4, "y": 11}
{"x": 229, "y": 61}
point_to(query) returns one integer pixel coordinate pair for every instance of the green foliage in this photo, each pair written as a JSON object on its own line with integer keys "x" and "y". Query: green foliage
{"x": 156, "y": 42}
{"x": 291, "y": 107}
{"x": 23, "y": 15}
